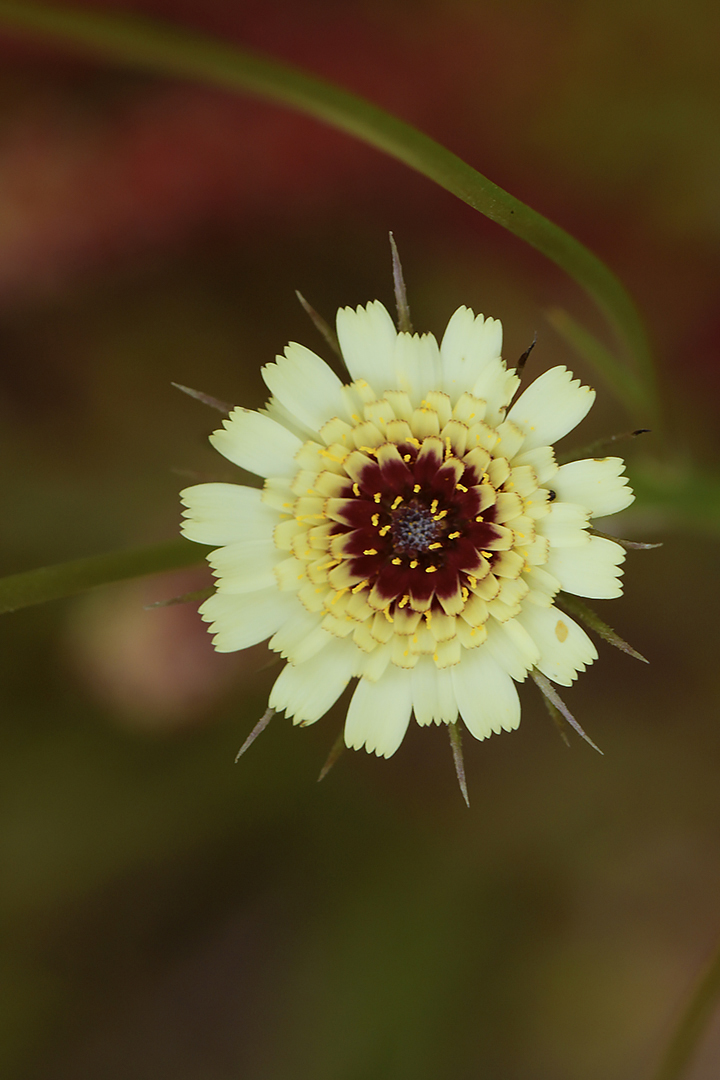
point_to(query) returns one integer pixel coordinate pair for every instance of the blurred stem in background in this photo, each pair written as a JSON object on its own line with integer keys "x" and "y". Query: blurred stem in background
{"x": 692, "y": 1024}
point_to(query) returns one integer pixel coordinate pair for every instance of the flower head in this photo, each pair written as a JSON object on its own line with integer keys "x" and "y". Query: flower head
{"x": 412, "y": 531}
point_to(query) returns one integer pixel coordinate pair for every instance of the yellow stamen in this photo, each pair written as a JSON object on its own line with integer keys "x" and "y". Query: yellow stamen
{"x": 453, "y": 536}
{"x": 472, "y": 580}
{"x": 356, "y": 489}
{"x": 360, "y": 585}
{"x": 405, "y": 600}
{"x": 407, "y": 457}
{"x": 385, "y": 530}
{"x": 370, "y": 551}
{"x": 464, "y": 594}
{"x": 434, "y": 547}
{"x": 448, "y": 448}
{"x": 413, "y": 564}
{"x": 428, "y": 616}
{"x": 461, "y": 487}
{"x": 375, "y": 520}
{"x": 440, "y": 516}
{"x": 338, "y": 594}
{"x": 397, "y": 562}
{"x": 430, "y": 569}
{"x": 386, "y": 613}
{"x": 377, "y": 496}
{"x": 416, "y": 488}
{"x": 433, "y": 506}
{"x": 397, "y": 502}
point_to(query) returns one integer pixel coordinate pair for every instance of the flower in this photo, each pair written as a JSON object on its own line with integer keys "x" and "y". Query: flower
{"x": 411, "y": 532}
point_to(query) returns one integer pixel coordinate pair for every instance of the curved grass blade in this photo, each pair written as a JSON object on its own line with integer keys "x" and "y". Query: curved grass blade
{"x": 171, "y": 50}
{"x": 69, "y": 578}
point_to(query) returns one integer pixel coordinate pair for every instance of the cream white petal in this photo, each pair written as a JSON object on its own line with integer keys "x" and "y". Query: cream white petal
{"x": 300, "y": 636}
{"x": 565, "y": 649}
{"x": 256, "y": 443}
{"x": 591, "y": 570}
{"x": 485, "y": 694}
{"x": 283, "y": 416}
{"x": 512, "y": 647}
{"x": 241, "y": 621}
{"x": 379, "y": 713}
{"x": 565, "y": 525}
{"x": 245, "y": 567}
{"x": 306, "y": 691}
{"x": 496, "y": 385}
{"x": 469, "y": 343}
{"x": 417, "y": 365}
{"x": 367, "y": 341}
{"x": 551, "y": 407}
{"x": 226, "y": 513}
{"x": 541, "y": 460}
{"x": 433, "y": 695}
{"x": 305, "y": 386}
{"x": 596, "y": 483}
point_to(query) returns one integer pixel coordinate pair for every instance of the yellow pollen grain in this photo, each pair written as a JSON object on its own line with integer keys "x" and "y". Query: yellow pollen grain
{"x": 386, "y": 613}
{"x": 440, "y": 516}
{"x": 414, "y": 442}
{"x": 521, "y": 535}
{"x": 415, "y": 639}
{"x": 430, "y": 569}
{"x": 397, "y": 562}
{"x": 472, "y": 580}
{"x": 433, "y": 506}
{"x": 338, "y": 594}
{"x": 453, "y": 536}
{"x": 369, "y": 450}
{"x": 473, "y": 631}
{"x": 461, "y": 487}
{"x": 287, "y": 506}
{"x": 407, "y": 457}
{"x": 385, "y": 530}
{"x": 485, "y": 478}
{"x": 377, "y": 496}
{"x": 327, "y": 565}
{"x": 309, "y": 491}
{"x": 479, "y": 517}
{"x": 356, "y": 489}
{"x": 413, "y": 564}
{"x": 416, "y": 488}
{"x": 360, "y": 585}
{"x": 300, "y": 576}
{"x": 448, "y": 448}
{"x": 375, "y": 519}
{"x": 428, "y": 616}
{"x": 435, "y": 657}
{"x": 404, "y": 602}
{"x": 370, "y": 551}
{"x": 434, "y": 547}
{"x": 355, "y": 417}
{"x": 397, "y": 502}
{"x": 471, "y": 416}
{"x": 464, "y": 594}
{"x": 487, "y": 554}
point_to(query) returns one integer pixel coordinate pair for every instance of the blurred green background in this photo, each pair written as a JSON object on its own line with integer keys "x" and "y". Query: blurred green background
{"x": 166, "y": 913}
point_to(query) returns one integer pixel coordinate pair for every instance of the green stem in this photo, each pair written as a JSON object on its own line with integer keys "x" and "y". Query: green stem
{"x": 67, "y": 579}
{"x": 691, "y": 1027}
{"x": 171, "y": 50}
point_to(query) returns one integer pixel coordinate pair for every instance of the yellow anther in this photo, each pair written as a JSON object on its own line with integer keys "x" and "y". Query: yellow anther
{"x": 448, "y": 448}
{"x": 360, "y": 585}
{"x": 385, "y": 530}
{"x": 414, "y": 442}
{"x": 370, "y": 551}
{"x": 440, "y": 516}
{"x": 386, "y": 613}
{"x": 479, "y": 517}
{"x": 487, "y": 554}
{"x": 397, "y": 502}
{"x": 405, "y": 600}
{"x": 406, "y": 653}
{"x": 309, "y": 491}
{"x": 287, "y": 506}
{"x": 415, "y": 639}
{"x": 397, "y": 562}
{"x": 430, "y": 569}
{"x": 355, "y": 417}
{"x": 375, "y": 520}
{"x": 338, "y": 594}
{"x": 428, "y": 616}
{"x": 433, "y": 506}
{"x": 377, "y": 496}
{"x": 435, "y": 657}
{"x": 413, "y": 564}
{"x": 521, "y": 535}
{"x": 407, "y": 457}
{"x": 327, "y": 565}
{"x": 453, "y": 536}
{"x": 464, "y": 594}
{"x": 473, "y": 631}
{"x": 416, "y": 488}
{"x": 371, "y": 450}
{"x": 472, "y": 580}
{"x": 461, "y": 487}
{"x": 356, "y": 489}
{"x": 434, "y": 547}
